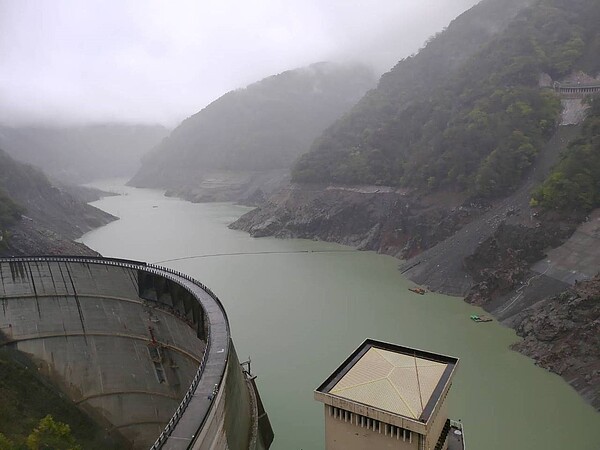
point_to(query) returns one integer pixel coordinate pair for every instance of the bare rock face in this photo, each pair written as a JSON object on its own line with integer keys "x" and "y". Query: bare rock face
{"x": 501, "y": 262}
{"x": 376, "y": 218}
{"x": 574, "y": 111}
{"x": 50, "y": 215}
{"x": 29, "y": 238}
{"x": 563, "y": 335}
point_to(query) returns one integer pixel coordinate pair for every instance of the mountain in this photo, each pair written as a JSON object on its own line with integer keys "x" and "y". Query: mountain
{"x": 465, "y": 114}
{"x": 37, "y": 217}
{"x": 461, "y": 163}
{"x": 81, "y": 154}
{"x": 263, "y": 127}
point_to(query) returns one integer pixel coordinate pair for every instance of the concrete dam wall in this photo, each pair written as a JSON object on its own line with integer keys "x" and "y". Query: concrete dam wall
{"x": 144, "y": 350}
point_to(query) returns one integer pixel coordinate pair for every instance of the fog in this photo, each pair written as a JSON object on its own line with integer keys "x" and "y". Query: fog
{"x": 150, "y": 61}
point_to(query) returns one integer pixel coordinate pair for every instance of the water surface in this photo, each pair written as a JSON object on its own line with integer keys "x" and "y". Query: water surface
{"x": 298, "y": 314}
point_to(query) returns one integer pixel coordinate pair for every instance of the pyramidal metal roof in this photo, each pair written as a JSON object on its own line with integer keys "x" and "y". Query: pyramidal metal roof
{"x": 394, "y": 382}
{"x": 397, "y": 380}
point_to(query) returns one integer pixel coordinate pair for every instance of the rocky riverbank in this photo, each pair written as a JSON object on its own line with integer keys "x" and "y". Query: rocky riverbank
{"x": 54, "y": 217}
{"x": 562, "y": 334}
{"x": 502, "y": 262}
{"x": 28, "y": 238}
{"x": 387, "y": 220}
{"x": 47, "y": 216}
{"x": 246, "y": 187}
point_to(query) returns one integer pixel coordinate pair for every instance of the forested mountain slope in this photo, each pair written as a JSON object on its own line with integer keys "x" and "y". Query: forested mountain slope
{"x": 574, "y": 184}
{"x": 262, "y": 127}
{"x": 473, "y": 123}
{"x": 80, "y": 154}
{"x": 37, "y": 217}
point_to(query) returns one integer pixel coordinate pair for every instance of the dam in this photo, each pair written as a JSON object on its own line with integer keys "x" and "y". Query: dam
{"x": 144, "y": 350}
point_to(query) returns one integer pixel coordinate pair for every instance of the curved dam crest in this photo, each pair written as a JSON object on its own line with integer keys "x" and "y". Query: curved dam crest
{"x": 144, "y": 350}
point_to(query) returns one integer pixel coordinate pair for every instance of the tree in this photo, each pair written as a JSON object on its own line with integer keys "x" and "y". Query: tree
{"x": 51, "y": 435}
{"x": 5, "y": 443}
{"x": 574, "y": 184}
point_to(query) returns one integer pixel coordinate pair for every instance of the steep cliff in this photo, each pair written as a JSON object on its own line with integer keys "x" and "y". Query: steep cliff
{"x": 562, "y": 334}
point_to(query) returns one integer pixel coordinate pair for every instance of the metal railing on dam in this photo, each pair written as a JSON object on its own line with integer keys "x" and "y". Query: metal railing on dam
{"x": 190, "y": 416}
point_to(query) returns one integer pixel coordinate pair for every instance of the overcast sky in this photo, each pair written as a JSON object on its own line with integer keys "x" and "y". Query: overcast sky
{"x": 69, "y": 61}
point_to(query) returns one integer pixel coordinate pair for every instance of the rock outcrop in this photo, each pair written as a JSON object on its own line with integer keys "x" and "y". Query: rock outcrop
{"x": 387, "y": 220}
{"x": 502, "y": 262}
{"x": 562, "y": 334}
{"x": 49, "y": 218}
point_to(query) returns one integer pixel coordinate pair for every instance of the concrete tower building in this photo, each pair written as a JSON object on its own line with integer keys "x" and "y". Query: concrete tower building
{"x": 385, "y": 396}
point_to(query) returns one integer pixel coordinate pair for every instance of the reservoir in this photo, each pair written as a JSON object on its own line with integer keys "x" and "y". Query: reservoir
{"x": 299, "y": 307}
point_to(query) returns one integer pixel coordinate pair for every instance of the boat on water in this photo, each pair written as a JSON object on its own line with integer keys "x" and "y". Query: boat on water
{"x": 481, "y": 318}
{"x": 418, "y": 290}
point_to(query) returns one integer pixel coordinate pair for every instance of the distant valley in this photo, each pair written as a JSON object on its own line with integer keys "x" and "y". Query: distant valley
{"x": 81, "y": 153}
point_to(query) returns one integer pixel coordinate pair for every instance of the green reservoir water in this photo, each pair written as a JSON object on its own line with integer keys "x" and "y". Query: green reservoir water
{"x": 298, "y": 315}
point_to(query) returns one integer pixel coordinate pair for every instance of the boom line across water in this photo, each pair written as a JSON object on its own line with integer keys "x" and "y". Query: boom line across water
{"x": 253, "y": 253}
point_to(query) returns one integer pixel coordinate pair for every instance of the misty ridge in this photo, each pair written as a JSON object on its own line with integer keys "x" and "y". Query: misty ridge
{"x": 249, "y": 132}
{"x": 80, "y": 139}
{"x": 81, "y": 154}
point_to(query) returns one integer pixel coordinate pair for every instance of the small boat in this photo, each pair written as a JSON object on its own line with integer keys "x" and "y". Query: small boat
{"x": 481, "y": 318}
{"x": 418, "y": 290}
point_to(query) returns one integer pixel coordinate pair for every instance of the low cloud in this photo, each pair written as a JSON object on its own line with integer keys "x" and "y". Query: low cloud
{"x": 66, "y": 61}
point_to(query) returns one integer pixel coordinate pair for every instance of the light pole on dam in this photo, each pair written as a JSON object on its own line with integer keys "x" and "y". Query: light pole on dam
{"x": 144, "y": 350}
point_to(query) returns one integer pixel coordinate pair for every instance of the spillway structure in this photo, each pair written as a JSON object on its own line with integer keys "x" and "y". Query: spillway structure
{"x": 144, "y": 350}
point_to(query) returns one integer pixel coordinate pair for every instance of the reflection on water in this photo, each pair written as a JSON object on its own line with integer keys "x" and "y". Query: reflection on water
{"x": 298, "y": 308}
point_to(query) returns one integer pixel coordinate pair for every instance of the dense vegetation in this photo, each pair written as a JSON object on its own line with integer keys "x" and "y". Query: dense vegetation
{"x": 466, "y": 113}
{"x": 48, "y": 435}
{"x": 264, "y": 126}
{"x": 25, "y": 402}
{"x": 574, "y": 184}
